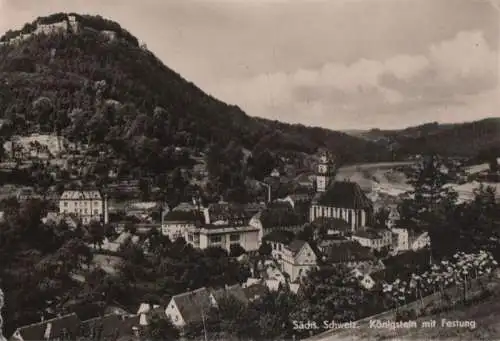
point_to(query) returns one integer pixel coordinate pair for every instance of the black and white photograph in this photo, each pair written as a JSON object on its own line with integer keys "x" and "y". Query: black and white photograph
{"x": 246, "y": 170}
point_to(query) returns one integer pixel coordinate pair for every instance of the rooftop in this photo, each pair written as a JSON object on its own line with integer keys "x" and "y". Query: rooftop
{"x": 344, "y": 194}
{"x": 191, "y": 304}
{"x": 348, "y": 252}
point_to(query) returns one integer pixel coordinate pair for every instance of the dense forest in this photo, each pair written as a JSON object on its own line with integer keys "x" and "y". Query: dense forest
{"x": 115, "y": 92}
{"x": 472, "y": 139}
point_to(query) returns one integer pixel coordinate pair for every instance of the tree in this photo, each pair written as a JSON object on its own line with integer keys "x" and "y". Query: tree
{"x": 381, "y": 218}
{"x": 236, "y": 250}
{"x": 265, "y": 249}
{"x": 160, "y": 328}
{"x": 96, "y": 233}
{"x": 430, "y": 200}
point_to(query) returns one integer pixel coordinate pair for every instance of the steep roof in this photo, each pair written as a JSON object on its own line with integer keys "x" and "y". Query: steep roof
{"x": 187, "y": 216}
{"x": 280, "y": 215}
{"x": 54, "y": 328}
{"x": 233, "y": 213}
{"x": 284, "y": 237}
{"x": 235, "y": 291}
{"x": 345, "y": 194}
{"x": 190, "y": 304}
{"x": 368, "y": 234}
{"x": 296, "y": 245}
{"x": 301, "y": 197}
{"x": 81, "y": 195}
{"x": 348, "y": 252}
{"x": 109, "y": 326}
{"x": 332, "y": 224}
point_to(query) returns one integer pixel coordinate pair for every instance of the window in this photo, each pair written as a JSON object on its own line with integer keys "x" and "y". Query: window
{"x": 234, "y": 237}
{"x": 65, "y": 204}
{"x": 96, "y": 211}
{"x": 86, "y": 211}
{"x": 215, "y": 239}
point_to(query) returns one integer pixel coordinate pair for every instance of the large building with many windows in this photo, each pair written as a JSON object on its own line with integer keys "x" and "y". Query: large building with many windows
{"x": 86, "y": 205}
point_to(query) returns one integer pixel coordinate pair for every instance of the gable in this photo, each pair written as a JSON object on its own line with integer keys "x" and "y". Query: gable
{"x": 303, "y": 253}
{"x": 172, "y": 311}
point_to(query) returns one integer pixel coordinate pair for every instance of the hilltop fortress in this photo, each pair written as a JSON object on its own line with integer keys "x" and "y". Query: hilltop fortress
{"x": 65, "y": 26}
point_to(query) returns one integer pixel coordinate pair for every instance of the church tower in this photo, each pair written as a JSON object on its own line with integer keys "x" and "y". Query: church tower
{"x": 325, "y": 173}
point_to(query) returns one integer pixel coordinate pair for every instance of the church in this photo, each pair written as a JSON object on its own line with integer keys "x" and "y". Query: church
{"x": 339, "y": 199}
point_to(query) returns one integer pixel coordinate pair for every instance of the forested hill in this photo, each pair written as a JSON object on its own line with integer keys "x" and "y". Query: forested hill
{"x": 90, "y": 85}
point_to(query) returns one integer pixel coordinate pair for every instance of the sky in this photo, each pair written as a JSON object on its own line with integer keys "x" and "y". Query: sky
{"x": 339, "y": 64}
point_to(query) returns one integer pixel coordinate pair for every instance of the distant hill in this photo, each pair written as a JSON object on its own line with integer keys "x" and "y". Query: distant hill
{"x": 462, "y": 139}
{"x": 93, "y": 82}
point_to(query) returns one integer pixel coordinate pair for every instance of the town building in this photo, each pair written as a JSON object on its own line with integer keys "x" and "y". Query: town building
{"x": 189, "y": 307}
{"x": 223, "y": 236}
{"x": 229, "y": 291}
{"x": 374, "y": 239}
{"x": 350, "y": 254}
{"x": 401, "y": 240}
{"x": 278, "y": 240}
{"x": 344, "y": 200}
{"x": 339, "y": 199}
{"x": 176, "y": 223}
{"x": 297, "y": 259}
{"x": 86, "y": 205}
{"x": 278, "y": 216}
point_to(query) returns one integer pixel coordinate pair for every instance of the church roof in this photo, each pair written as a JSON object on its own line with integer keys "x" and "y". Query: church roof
{"x": 344, "y": 194}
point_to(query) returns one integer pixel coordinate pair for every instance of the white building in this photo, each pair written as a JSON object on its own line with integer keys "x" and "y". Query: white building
{"x": 86, "y": 205}
{"x": 223, "y": 236}
{"x": 401, "y": 241}
{"x": 189, "y": 307}
{"x": 297, "y": 259}
{"x": 176, "y": 223}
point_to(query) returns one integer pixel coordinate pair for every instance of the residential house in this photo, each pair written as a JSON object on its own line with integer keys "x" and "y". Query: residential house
{"x": 374, "y": 239}
{"x": 344, "y": 200}
{"x": 331, "y": 226}
{"x": 363, "y": 273}
{"x": 393, "y": 217}
{"x": 401, "y": 240}
{"x": 328, "y": 241}
{"x": 420, "y": 241}
{"x": 278, "y": 240}
{"x": 404, "y": 240}
{"x": 223, "y": 225}
{"x": 350, "y": 253}
{"x": 87, "y": 205}
{"x": 255, "y": 291}
{"x": 27, "y": 193}
{"x": 147, "y": 310}
{"x": 278, "y": 216}
{"x": 234, "y": 291}
{"x": 211, "y": 235}
{"x": 176, "y": 223}
{"x": 189, "y": 307}
{"x": 64, "y": 328}
{"x": 297, "y": 259}
{"x": 300, "y": 203}
{"x": 110, "y": 327}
